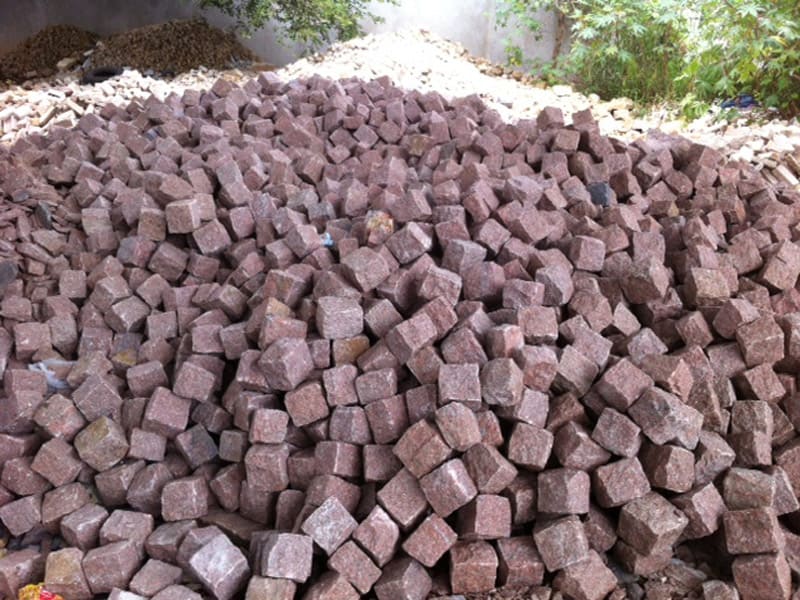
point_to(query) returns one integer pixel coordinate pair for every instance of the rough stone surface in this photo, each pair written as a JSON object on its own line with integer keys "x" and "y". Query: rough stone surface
{"x": 269, "y": 316}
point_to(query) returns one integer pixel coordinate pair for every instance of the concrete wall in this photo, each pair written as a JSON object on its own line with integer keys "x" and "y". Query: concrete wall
{"x": 470, "y": 22}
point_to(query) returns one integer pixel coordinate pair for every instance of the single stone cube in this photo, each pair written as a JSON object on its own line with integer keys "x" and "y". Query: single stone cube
{"x": 378, "y": 534}
{"x": 403, "y": 578}
{"x": 30, "y": 338}
{"x": 704, "y": 507}
{"x": 380, "y": 464}
{"x": 670, "y": 372}
{"x": 782, "y": 267}
{"x": 339, "y": 385}
{"x": 266, "y": 467}
{"x": 339, "y": 318}
{"x": 194, "y": 382}
{"x": 694, "y": 330}
{"x": 176, "y": 592}
{"x": 647, "y": 279}
{"x": 430, "y": 541}
{"x": 220, "y": 566}
{"x": 617, "y": 433}
{"x": 668, "y": 467}
{"x": 126, "y": 525}
{"x": 381, "y": 316}
{"x": 338, "y": 458}
{"x": 448, "y": 487}
{"x": 761, "y": 341}
{"x": 459, "y": 383}
{"x": 409, "y": 337}
{"x": 376, "y": 385}
{"x": 487, "y": 517}
{"x": 587, "y": 253}
{"x": 473, "y": 567}
{"x": 719, "y": 590}
{"x": 557, "y": 282}
{"x": 196, "y": 446}
{"x": 574, "y": 448}
{"x": 63, "y": 574}
{"x": 186, "y": 498}
{"x": 163, "y": 543}
{"x": 403, "y": 499}
{"x": 623, "y": 384}
{"x": 488, "y": 468}
{"x": 588, "y": 579}
{"x": 530, "y": 446}
{"x": 110, "y": 566}
{"x": 752, "y": 531}
{"x": 20, "y": 516}
{"x": 650, "y": 522}
{"x": 355, "y": 566}
{"x": 458, "y": 426}
{"x": 762, "y": 576}
{"x": 561, "y": 542}
{"x": 748, "y": 488}
{"x": 365, "y": 268}
{"x": 733, "y": 313}
{"x": 306, "y": 404}
{"x": 664, "y": 418}
{"x": 166, "y": 413}
{"x": 286, "y": 363}
{"x": 147, "y": 445}
{"x": 101, "y": 444}
{"x": 96, "y": 398}
{"x": 143, "y": 379}
{"x": 56, "y": 461}
{"x": 388, "y": 419}
{"x": 268, "y": 426}
{"x": 706, "y": 287}
{"x": 519, "y": 562}
{"x": 329, "y": 525}
{"x": 183, "y": 216}
{"x": 331, "y": 585}
{"x": 61, "y": 501}
{"x": 154, "y": 576}
{"x": 81, "y": 528}
{"x": 501, "y": 382}
{"x": 619, "y": 482}
{"x": 421, "y": 448}
{"x": 286, "y": 556}
{"x": 409, "y": 243}
{"x": 575, "y": 372}
{"x": 440, "y": 283}
{"x": 59, "y": 417}
{"x": 267, "y": 588}
{"x": 563, "y": 491}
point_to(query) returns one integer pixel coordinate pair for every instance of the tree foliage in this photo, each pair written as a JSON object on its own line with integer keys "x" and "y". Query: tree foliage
{"x": 747, "y": 46}
{"x": 649, "y": 50}
{"x": 312, "y": 23}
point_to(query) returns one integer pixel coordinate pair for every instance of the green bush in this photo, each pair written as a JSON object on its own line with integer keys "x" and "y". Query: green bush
{"x": 617, "y": 47}
{"x": 747, "y": 46}
{"x": 312, "y": 23}
{"x": 693, "y": 52}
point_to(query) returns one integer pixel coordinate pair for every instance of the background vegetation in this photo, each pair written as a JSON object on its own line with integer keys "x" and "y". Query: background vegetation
{"x": 694, "y": 52}
{"x": 313, "y": 23}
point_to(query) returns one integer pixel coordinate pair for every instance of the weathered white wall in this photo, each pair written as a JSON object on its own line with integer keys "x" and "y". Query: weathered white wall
{"x": 470, "y": 22}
